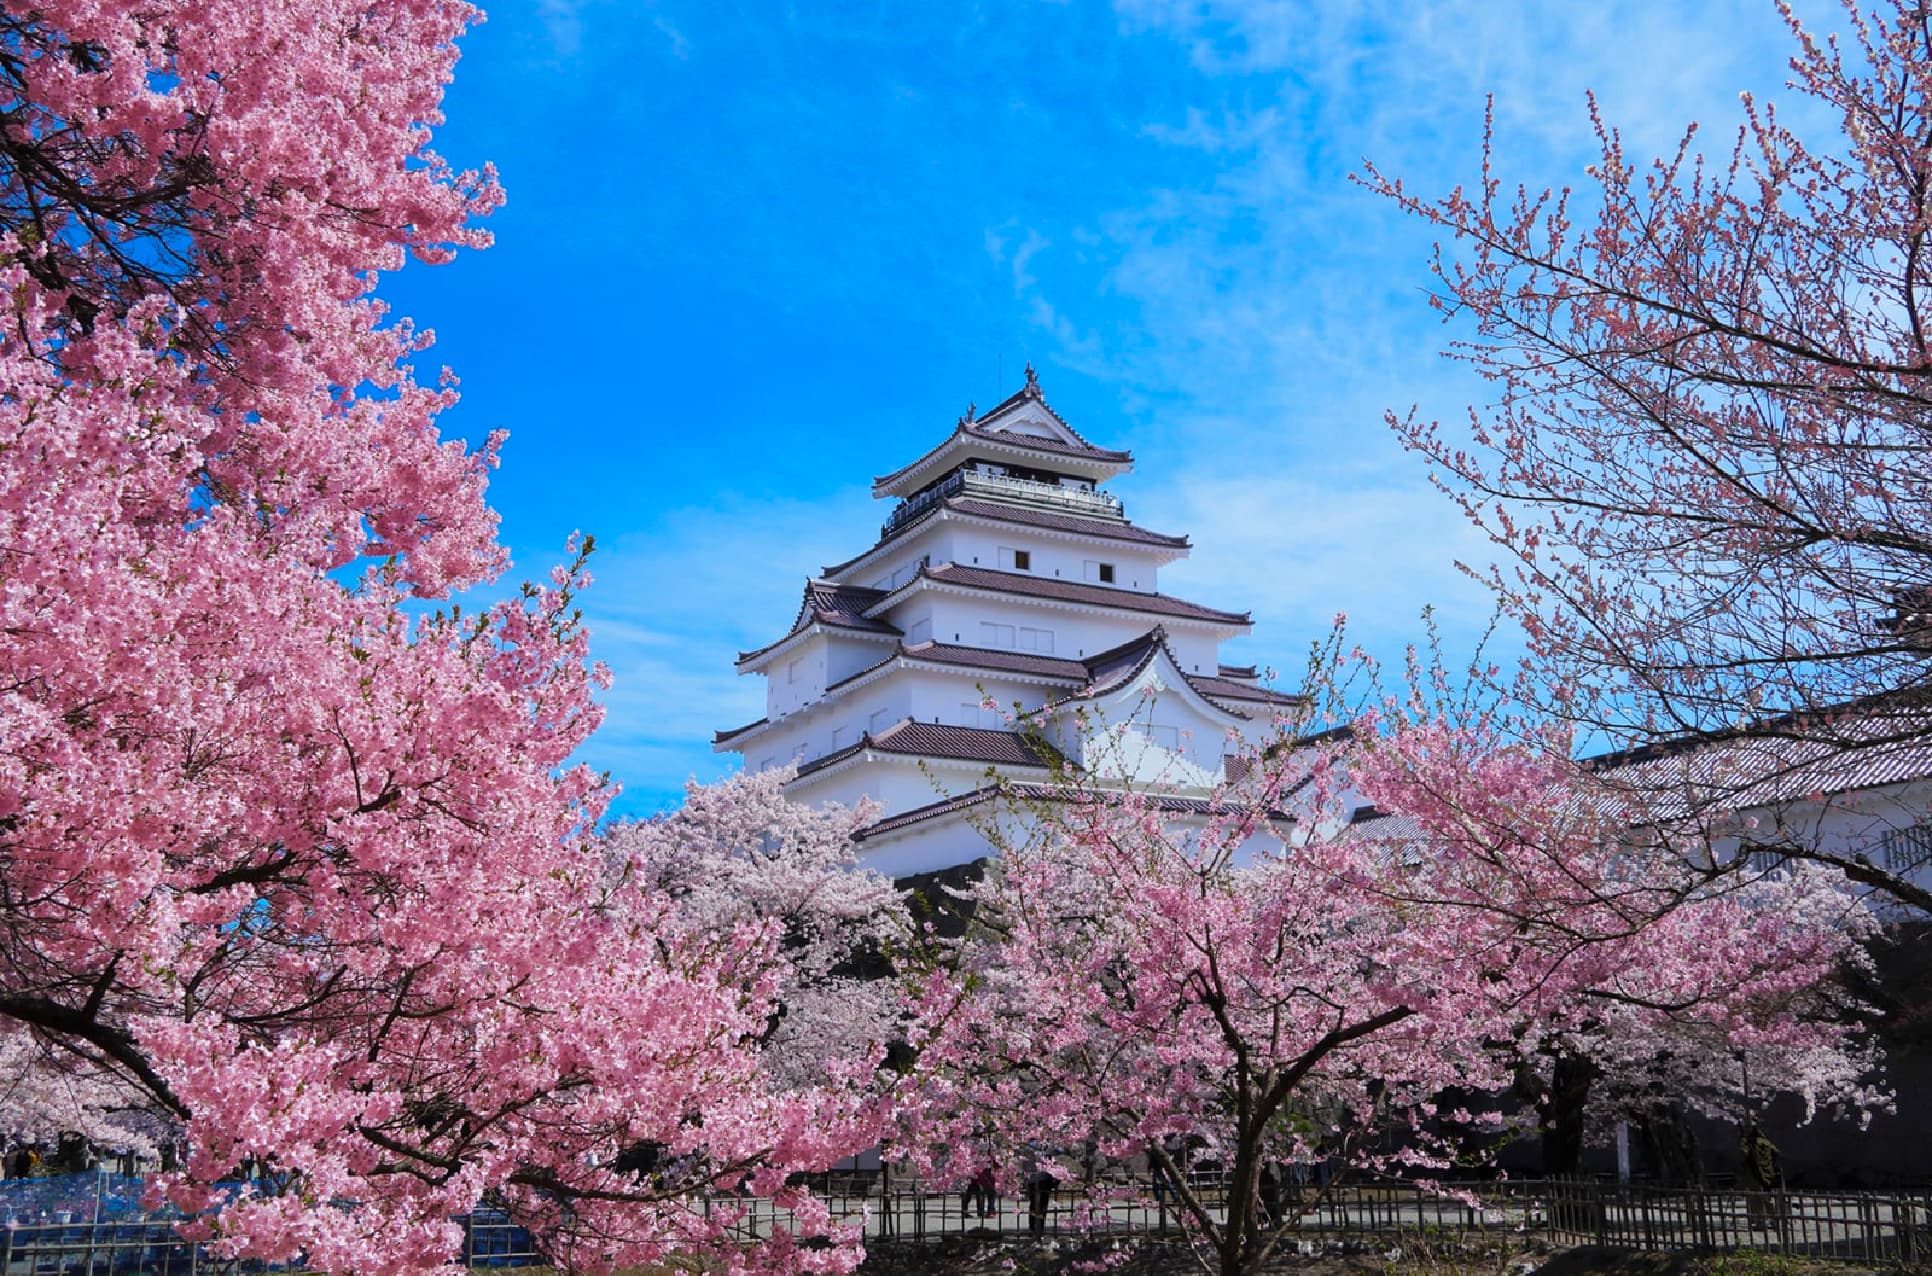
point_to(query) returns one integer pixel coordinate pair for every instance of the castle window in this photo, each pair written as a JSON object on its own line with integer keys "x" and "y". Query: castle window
{"x": 999, "y": 636}
{"x": 1102, "y": 572}
{"x": 1906, "y": 850}
{"x": 976, "y": 714}
{"x": 1019, "y": 560}
{"x": 1040, "y": 640}
{"x": 1760, "y": 858}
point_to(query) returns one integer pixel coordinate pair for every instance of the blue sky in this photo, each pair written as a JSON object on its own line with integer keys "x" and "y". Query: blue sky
{"x": 756, "y": 253}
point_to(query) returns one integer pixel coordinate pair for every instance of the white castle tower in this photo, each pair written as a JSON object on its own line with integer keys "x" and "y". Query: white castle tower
{"x": 1003, "y": 577}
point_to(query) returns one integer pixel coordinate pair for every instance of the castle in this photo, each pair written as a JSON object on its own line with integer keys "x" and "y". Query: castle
{"x": 1007, "y": 624}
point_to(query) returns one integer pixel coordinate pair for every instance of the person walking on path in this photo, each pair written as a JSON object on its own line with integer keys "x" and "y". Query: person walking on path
{"x": 1040, "y": 1181}
{"x": 982, "y": 1191}
{"x": 1760, "y": 1175}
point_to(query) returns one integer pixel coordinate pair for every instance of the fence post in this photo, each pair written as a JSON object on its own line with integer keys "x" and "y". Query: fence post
{"x": 469, "y": 1239}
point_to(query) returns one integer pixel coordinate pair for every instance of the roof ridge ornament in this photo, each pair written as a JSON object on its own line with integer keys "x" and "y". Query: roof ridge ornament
{"x": 1032, "y": 389}
{"x": 972, "y": 410}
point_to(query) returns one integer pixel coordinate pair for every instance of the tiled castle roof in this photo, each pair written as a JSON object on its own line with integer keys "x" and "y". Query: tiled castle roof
{"x": 1072, "y": 591}
{"x": 826, "y": 603}
{"x": 1022, "y": 516}
{"x": 1222, "y": 688}
{"x": 981, "y": 429}
{"x": 1086, "y": 677}
{"x": 1042, "y": 793}
{"x": 936, "y": 740}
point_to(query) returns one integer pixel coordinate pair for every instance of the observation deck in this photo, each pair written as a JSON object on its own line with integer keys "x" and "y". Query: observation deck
{"x": 1081, "y": 502}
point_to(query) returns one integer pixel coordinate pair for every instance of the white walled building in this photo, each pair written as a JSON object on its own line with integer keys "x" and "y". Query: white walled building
{"x": 1009, "y": 620}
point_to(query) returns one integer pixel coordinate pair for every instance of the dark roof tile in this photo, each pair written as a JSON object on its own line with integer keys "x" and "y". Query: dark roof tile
{"x": 1021, "y": 516}
{"x": 1078, "y": 592}
{"x": 936, "y": 740}
{"x": 1020, "y": 662}
{"x": 827, "y": 603}
{"x": 1221, "y": 688}
{"x": 1044, "y": 793}
{"x": 721, "y": 736}
{"x": 980, "y": 430}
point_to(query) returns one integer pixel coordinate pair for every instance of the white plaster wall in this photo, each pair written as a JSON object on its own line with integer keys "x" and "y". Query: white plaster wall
{"x": 796, "y": 677}
{"x": 1151, "y": 738}
{"x": 847, "y": 656}
{"x": 926, "y": 848}
{"x": 1135, "y": 570}
{"x": 898, "y": 783}
{"x": 847, "y": 788}
{"x": 973, "y": 834}
{"x": 954, "y": 699}
{"x": 1846, "y": 824}
{"x": 821, "y": 660}
{"x": 1259, "y": 730}
{"x": 900, "y": 564}
{"x": 1194, "y": 651}
{"x": 958, "y": 618}
{"x": 829, "y": 725}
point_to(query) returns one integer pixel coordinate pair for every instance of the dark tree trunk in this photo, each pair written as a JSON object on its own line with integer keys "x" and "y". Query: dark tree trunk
{"x": 1670, "y": 1145}
{"x": 1561, "y": 1110}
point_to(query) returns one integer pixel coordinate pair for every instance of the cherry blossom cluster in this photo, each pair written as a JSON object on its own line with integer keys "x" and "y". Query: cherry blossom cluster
{"x": 303, "y": 868}
{"x": 1275, "y": 985}
{"x": 1706, "y": 470}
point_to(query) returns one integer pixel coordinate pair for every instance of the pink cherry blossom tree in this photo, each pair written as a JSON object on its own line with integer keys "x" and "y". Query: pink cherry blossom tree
{"x": 1286, "y": 987}
{"x": 47, "y": 1095}
{"x": 1706, "y": 468}
{"x": 737, "y": 853}
{"x": 306, "y": 869}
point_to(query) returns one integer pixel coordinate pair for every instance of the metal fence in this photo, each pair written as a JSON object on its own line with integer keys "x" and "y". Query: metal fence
{"x": 1876, "y": 1228}
{"x": 94, "y": 1225}
{"x": 1866, "y": 1227}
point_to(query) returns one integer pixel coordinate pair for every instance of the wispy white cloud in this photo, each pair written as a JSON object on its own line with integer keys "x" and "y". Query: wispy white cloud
{"x": 1164, "y": 221}
{"x": 680, "y": 46}
{"x": 1277, "y": 308}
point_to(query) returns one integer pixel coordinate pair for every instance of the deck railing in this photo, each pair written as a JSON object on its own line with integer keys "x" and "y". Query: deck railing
{"x": 1082, "y": 502}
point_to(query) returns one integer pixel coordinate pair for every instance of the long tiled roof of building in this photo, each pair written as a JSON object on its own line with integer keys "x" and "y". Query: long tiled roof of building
{"x": 937, "y": 740}
{"x": 1120, "y": 665}
{"x": 1235, "y": 689}
{"x": 1795, "y": 759}
{"x": 1041, "y": 793}
{"x": 826, "y": 603}
{"x": 1073, "y": 591}
{"x": 1109, "y": 669}
{"x": 1022, "y": 662}
{"x": 722, "y": 736}
{"x": 1091, "y": 676}
{"x": 1022, "y": 516}
{"x": 1106, "y": 528}
{"x": 1013, "y": 439}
